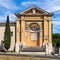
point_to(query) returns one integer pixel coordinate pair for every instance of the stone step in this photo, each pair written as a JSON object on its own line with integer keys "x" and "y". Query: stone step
{"x": 33, "y": 49}
{"x": 33, "y": 53}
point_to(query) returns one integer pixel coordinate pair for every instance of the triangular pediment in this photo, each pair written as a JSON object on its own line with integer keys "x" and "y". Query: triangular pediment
{"x": 33, "y": 10}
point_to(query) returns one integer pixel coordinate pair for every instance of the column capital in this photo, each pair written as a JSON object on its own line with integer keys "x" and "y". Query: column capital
{"x": 22, "y": 17}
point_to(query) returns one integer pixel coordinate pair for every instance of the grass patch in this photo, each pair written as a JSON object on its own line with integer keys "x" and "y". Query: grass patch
{"x": 22, "y": 58}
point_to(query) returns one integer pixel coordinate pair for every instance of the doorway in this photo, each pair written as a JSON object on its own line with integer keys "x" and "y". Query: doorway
{"x": 38, "y": 40}
{"x": 35, "y": 37}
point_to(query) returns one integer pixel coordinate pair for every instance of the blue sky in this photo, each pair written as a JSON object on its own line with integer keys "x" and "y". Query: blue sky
{"x": 14, "y": 6}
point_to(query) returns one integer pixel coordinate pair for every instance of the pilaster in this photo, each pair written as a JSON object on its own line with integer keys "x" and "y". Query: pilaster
{"x": 23, "y": 30}
{"x": 46, "y": 30}
{"x": 17, "y": 35}
{"x": 50, "y": 30}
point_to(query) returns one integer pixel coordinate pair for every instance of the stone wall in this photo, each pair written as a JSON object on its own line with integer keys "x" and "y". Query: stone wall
{"x": 2, "y": 30}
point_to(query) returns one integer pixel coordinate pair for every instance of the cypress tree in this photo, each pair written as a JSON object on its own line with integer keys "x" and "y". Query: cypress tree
{"x": 7, "y": 34}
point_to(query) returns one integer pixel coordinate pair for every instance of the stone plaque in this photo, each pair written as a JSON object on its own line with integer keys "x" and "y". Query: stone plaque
{"x": 34, "y": 36}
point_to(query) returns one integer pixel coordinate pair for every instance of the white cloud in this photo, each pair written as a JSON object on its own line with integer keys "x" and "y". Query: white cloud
{"x": 12, "y": 17}
{"x": 9, "y": 4}
{"x": 54, "y": 8}
{"x": 56, "y": 22}
{"x": 56, "y": 19}
{"x": 29, "y": 2}
{"x": 2, "y": 18}
{"x": 56, "y": 26}
{"x": 48, "y": 5}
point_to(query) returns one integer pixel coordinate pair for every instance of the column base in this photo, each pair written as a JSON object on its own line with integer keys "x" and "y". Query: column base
{"x": 49, "y": 48}
{"x": 17, "y": 47}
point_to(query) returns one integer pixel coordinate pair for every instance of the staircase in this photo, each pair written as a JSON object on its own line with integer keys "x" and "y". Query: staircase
{"x": 33, "y": 49}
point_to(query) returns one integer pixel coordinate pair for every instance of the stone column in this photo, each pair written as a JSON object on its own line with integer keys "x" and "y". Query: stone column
{"x": 47, "y": 49}
{"x": 50, "y": 48}
{"x": 41, "y": 38}
{"x": 23, "y": 30}
{"x": 50, "y": 30}
{"x": 45, "y": 30}
{"x": 50, "y": 35}
{"x": 17, "y": 35}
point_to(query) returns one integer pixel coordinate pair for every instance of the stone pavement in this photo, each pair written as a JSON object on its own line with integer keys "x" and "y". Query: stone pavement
{"x": 32, "y": 55}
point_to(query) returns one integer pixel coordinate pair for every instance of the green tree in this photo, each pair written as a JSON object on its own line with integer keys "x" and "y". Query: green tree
{"x": 56, "y": 40}
{"x": 7, "y": 34}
